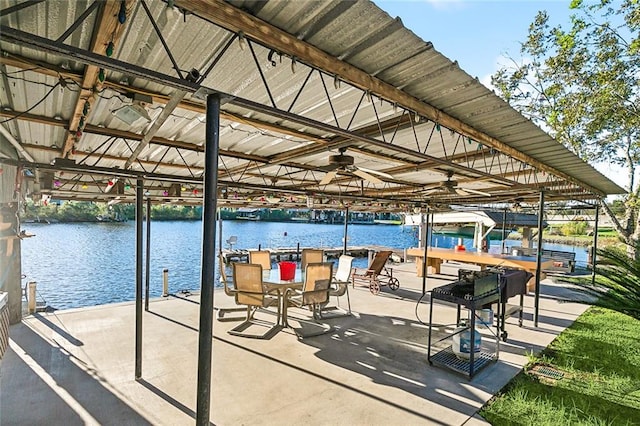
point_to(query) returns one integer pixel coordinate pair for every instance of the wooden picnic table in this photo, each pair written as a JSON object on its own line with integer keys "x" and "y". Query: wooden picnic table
{"x": 436, "y": 256}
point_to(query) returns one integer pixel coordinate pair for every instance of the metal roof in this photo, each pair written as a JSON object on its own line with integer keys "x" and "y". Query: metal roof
{"x": 299, "y": 81}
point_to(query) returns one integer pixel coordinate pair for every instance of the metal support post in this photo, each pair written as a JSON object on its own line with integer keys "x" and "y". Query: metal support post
{"x": 210, "y": 194}
{"x": 425, "y": 248}
{"x": 346, "y": 225}
{"x": 595, "y": 246}
{"x": 147, "y": 256}
{"x": 139, "y": 195}
{"x": 504, "y": 230}
{"x": 539, "y": 258}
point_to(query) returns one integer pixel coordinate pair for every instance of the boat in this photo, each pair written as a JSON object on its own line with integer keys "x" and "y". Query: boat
{"x": 388, "y": 221}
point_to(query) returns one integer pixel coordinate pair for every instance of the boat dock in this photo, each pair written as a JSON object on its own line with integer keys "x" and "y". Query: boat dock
{"x": 295, "y": 253}
{"x": 76, "y": 366}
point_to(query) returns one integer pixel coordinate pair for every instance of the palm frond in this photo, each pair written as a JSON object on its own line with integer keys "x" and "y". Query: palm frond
{"x": 617, "y": 284}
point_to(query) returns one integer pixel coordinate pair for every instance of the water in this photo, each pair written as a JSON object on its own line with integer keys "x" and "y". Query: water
{"x": 87, "y": 264}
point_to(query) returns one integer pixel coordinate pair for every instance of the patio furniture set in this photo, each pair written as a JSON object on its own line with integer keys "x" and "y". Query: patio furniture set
{"x": 256, "y": 286}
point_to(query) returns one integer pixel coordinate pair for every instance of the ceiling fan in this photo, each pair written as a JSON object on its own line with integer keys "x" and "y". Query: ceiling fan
{"x": 343, "y": 164}
{"x": 451, "y": 187}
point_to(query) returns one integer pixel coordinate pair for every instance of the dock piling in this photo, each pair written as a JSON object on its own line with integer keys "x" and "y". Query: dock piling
{"x": 32, "y": 296}
{"x": 165, "y": 282}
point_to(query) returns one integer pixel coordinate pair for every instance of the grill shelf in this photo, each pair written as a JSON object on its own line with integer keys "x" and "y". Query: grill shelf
{"x": 471, "y": 295}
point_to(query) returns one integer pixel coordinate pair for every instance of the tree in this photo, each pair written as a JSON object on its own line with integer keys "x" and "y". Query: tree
{"x": 582, "y": 85}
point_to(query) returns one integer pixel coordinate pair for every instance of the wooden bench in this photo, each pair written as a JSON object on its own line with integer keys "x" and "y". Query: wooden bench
{"x": 564, "y": 261}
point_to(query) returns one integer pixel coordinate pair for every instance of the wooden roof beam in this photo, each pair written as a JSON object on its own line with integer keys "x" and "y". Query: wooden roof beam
{"x": 108, "y": 30}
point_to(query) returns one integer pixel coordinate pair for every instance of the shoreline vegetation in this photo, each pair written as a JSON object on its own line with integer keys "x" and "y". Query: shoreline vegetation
{"x": 74, "y": 212}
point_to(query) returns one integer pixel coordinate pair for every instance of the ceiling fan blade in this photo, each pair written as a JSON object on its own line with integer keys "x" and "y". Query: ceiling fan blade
{"x": 475, "y": 191}
{"x": 432, "y": 187}
{"x": 432, "y": 190}
{"x": 468, "y": 191}
{"x": 329, "y": 167}
{"x": 375, "y": 172}
{"x": 366, "y": 176}
{"x": 328, "y": 177}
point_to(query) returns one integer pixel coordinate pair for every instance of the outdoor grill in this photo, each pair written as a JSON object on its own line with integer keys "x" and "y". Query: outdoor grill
{"x": 471, "y": 286}
{"x": 474, "y": 290}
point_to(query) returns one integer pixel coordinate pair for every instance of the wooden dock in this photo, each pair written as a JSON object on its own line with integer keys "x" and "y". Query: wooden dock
{"x": 295, "y": 253}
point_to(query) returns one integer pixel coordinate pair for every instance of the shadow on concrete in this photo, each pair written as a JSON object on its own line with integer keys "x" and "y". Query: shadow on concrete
{"x": 180, "y": 406}
{"x": 164, "y": 317}
{"x": 392, "y": 351}
{"x": 379, "y": 398}
{"x": 62, "y": 332}
{"x": 48, "y": 387}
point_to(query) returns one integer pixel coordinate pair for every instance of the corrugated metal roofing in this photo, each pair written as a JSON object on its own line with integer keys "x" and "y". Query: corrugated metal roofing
{"x": 299, "y": 113}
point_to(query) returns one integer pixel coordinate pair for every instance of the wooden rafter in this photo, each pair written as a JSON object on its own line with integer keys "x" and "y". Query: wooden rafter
{"x": 107, "y": 29}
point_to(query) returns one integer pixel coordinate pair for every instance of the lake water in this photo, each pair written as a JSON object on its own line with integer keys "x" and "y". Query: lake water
{"x": 85, "y": 264}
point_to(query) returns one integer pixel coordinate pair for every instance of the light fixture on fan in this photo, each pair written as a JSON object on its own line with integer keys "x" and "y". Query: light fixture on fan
{"x": 344, "y": 164}
{"x": 452, "y": 187}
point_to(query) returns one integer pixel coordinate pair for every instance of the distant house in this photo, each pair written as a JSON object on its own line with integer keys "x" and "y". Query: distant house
{"x": 248, "y": 214}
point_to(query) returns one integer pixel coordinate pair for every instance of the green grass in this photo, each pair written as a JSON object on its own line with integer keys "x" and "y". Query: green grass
{"x": 600, "y": 358}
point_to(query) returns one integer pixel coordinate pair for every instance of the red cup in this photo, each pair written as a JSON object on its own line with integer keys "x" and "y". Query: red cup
{"x": 287, "y": 270}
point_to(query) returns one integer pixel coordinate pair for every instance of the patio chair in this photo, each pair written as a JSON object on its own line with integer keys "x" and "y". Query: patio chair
{"x": 261, "y": 257}
{"x": 314, "y": 294}
{"x": 249, "y": 291}
{"x": 377, "y": 274}
{"x": 311, "y": 256}
{"x": 231, "y": 241}
{"x": 339, "y": 287}
{"x": 227, "y": 283}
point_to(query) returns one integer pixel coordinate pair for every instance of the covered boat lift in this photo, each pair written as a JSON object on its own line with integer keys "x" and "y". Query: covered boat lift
{"x": 480, "y": 225}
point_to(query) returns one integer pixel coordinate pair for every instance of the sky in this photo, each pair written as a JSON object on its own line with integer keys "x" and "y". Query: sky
{"x": 479, "y": 34}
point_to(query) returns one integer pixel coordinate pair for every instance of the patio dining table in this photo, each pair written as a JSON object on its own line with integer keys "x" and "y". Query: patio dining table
{"x": 273, "y": 283}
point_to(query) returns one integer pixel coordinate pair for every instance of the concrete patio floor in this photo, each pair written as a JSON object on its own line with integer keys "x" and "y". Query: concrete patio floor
{"x": 77, "y": 366}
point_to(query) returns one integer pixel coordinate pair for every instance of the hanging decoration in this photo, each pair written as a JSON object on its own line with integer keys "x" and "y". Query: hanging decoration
{"x": 122, "y": 14}
{"x": 109, "y": 49}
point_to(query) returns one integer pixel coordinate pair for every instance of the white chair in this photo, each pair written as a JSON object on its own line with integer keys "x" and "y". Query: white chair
{"x": 231, "y": 241}
{"x": 340, "y": 286}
